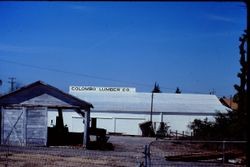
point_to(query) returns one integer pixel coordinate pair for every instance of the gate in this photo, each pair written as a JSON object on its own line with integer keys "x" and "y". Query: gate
{"x": 12, "y": 127}
{"x": 195, "y": 153}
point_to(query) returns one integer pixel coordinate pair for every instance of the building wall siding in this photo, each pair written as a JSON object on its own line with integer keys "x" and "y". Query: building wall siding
{"x": 45, "y": 100}
{"x": 128, "y": 123}
{"x": 24, "y": 126}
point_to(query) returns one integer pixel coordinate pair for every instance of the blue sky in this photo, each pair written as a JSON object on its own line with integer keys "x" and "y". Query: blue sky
{"x": 193, "y": 46}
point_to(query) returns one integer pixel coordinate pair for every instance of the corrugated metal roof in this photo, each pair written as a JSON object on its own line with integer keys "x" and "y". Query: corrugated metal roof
{"x": 162, "y": 102}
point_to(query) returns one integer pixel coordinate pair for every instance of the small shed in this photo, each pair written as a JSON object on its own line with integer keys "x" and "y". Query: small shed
{"x": 24, "y": 113}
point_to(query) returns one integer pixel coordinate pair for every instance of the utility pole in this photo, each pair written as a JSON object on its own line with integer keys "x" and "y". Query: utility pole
{"x": 212, "y": 92}
{"x": 12, "y": 83}
{"x": 152, "y": 102}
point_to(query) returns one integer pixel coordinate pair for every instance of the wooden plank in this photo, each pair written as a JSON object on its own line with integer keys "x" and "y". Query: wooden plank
{"x": 46, "y": 126}
{"x": 36, "y": 127}
{"x": 213, "y": 155}
{"x": 45, "y": 99}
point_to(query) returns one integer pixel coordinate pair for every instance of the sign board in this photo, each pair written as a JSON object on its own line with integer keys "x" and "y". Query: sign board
{"x": 101, "y": 89}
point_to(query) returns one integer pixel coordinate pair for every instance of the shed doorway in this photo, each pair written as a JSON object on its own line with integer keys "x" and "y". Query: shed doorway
{"x": 58, "y": 131}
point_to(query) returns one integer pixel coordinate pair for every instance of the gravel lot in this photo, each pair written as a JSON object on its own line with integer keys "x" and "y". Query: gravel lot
{"x": 128, "y": 152}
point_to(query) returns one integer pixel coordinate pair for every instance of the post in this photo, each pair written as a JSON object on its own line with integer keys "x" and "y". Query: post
{"x": 161, "y": 115}
{"x": 114, "y": 122}
{"x": 59, "y": 119}
{"x": 86, "y": 128}
{"x": 93, "y": 123}
{"x": 149, "y": 155}
{"x": 223, "y": 153}
{"x": 146, "y": 155}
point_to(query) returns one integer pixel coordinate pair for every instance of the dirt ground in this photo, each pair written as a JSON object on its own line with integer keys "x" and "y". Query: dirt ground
{"x": 127, "y": 152}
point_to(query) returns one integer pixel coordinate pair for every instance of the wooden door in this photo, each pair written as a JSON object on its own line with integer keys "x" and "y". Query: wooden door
{"x": 36, "y": 126}
{"x": 13, "y": 125}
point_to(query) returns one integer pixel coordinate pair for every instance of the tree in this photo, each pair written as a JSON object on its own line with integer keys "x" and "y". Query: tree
{"x": 202, "y": 128}
{"x": 178, "y": 91}
{"x": 239, "y": 117}
{"x": 233, "y": 125}
{"x": 241, "y": 88}
{"x": 156, "y": 88}
{"x": 1, "y": 82}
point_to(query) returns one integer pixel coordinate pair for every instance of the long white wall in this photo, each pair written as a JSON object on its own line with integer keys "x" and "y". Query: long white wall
{"x": 125, "y": 123}
{"x": 71, "y": 119}
{"x": 123, "y": 111}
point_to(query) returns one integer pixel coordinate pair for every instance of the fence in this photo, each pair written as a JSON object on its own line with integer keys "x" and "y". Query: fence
{"x": 195, "y": 153}
{"x": 129, "y": 152}
{"x": 178, "y": 135}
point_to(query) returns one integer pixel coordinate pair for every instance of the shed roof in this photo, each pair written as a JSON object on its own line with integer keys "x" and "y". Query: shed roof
{"x": 40, "y": 88}
{"x": 162, "y": 102}
{"x": 228, "y": 102}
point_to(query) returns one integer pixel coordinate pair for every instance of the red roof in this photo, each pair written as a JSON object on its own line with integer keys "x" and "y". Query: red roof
{"x": 228, "y": 102}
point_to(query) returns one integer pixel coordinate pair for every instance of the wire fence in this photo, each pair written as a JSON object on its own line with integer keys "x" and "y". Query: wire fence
{"x": 195, "y": 153}
{"x": 165, "y": 152}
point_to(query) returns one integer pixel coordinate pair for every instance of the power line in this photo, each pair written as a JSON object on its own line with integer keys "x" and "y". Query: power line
{"x": 74, "y": 73}
{"x": 88, "y": 76}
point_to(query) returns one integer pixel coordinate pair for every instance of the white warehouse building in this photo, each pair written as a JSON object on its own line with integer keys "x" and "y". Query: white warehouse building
{"x": 121, "y": 110}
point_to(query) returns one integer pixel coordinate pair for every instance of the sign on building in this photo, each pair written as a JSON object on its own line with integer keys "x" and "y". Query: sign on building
{"x": 101, "y": 89}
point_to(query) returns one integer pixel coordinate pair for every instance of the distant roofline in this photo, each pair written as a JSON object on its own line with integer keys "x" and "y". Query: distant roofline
{"x": 89, "y": 89}
{"x": 158, "y": 112}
